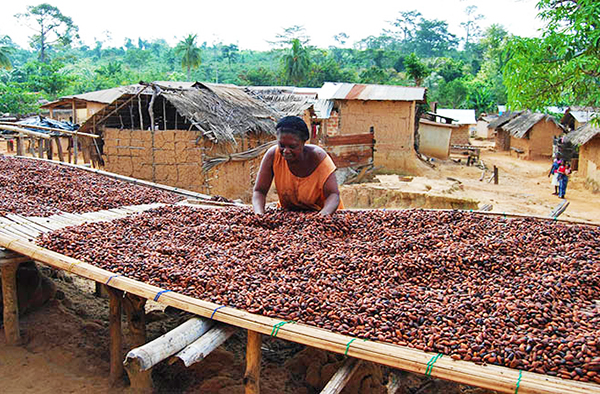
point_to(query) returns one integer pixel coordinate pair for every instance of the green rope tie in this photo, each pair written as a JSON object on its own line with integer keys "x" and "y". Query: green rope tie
{"x": 277, "y": 326}
{"x": 431, "y": 362}
{"x": 519, "y": 381}
{"x": 349, "y": 343}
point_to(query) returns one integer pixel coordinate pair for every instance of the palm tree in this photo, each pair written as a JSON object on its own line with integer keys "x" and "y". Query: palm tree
{"x": 5, "y": 62}
{"x": 190, "y": 53}
{"x": 296, "y": 63}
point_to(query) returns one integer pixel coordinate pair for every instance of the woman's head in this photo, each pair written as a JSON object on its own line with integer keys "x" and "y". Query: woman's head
{"x": 293, "y": 125}
{"x": 292, "y": 133}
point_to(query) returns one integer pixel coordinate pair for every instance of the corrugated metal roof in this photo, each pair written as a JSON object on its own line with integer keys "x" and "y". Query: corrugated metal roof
{"x": 462, "y": 116}
{"x": 583, "y": 116}
{"x": 323, "y": 108}
{"x": 105, "y": 96}
{"x": 355, "y": 91}
{"x": 582, "y": 134}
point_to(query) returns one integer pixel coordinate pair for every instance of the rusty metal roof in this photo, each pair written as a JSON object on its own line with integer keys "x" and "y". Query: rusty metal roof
{"x": 356, "y": 91}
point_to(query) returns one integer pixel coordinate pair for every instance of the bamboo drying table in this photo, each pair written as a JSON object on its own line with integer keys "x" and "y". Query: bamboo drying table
{"x": 17, "y": 234}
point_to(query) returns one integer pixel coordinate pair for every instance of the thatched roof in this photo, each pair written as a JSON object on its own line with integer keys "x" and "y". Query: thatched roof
{"x": 503, "y": 119}
{"x": 221, "y": 112}
{"x": 583, "y": 134}
{"x": 520, "y": 126}
{"x": 285, "y": 103}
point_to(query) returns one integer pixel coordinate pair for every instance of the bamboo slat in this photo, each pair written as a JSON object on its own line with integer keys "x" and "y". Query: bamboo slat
{"x": 487, "y": 376}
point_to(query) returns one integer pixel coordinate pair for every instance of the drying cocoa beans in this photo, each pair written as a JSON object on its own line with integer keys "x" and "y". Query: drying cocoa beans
{"x": 515, "y": 292}
{"x": 37, "y": 188}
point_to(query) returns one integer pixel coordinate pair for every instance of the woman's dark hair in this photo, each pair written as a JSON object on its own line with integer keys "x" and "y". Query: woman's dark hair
{"x": 293, "y": 125}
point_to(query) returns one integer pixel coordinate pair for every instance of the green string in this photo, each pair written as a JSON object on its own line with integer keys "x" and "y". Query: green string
{"x": 519, "y": 381}
{"x": 277, "y": 326}
{"x": 431, "y": 362}
{"x": 348, "y": 346}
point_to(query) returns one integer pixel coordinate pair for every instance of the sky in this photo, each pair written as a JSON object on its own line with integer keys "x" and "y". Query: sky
{"x": 251, "y": 24}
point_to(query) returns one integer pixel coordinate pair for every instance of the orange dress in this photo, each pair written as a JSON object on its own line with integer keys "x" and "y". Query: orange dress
{"x": 301, "y": 193}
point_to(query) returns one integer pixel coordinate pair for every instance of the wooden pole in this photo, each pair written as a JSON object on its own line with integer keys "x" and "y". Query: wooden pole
{"x": 170, "y": 343}
{"x": 70, "y": 149}
{"x": 343, "y": 375}
{"x": 141, "y": 381}
{"x": 40, "y": 148}
{"x": 20, "y": 145}
{"x": 49, "y": 150}
{"x": 140, "y": 111}
{"x": 75, "y": 149}
{"x": 203, "y": 346}
{"x": 59, "y": 149}
{"x": 252, "y": 375}
{"x": 164, "y": 113}
{"x": 495, "y": 175}
{"x": 11, "y": 303}
{"x": 116, "y": 336}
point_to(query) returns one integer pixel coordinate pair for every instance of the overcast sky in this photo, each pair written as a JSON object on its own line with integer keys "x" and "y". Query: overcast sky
{"x": 250, "y": 24}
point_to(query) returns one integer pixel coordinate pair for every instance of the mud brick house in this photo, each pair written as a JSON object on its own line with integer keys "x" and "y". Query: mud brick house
{"x": 358, "y": 123}
{"x": 575, "y": 117}
{"x": 207, "y": 138}
{"x": 527, "y": 135}
{"x": 587, "y": 137}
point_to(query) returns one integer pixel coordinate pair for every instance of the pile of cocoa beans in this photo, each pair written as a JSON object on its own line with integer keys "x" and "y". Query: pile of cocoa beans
{"x": 37, "y": 188}
{"x": 522, "y": 293}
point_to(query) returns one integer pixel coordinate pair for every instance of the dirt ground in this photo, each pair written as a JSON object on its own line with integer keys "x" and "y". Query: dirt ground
{"x": 66, "y": 341}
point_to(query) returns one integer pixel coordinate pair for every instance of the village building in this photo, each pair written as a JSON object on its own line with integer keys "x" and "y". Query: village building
{"x": 465, "y": 119}
{"x": 207, "y": 138}
{"x": 482, "y": 130}
{"x": 527, "y": 135}
{"x": 587, "y": 137}
{"x": 358, "y": 122}
{"x": 575, "y": 117}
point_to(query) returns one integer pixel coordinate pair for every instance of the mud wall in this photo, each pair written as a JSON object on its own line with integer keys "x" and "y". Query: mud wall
{"x": 460, "y": 135}
{"x": 361, "y": 196}
{"x": 589, "y": 163}
{"x": 392, "y": 123}
{"x": 539, "y": 141}
{"x": 175, "y": 157}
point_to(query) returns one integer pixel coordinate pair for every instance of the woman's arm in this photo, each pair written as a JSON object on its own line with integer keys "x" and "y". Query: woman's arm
{"x": 263, "y": 182}
{"x": 332, "y": 195}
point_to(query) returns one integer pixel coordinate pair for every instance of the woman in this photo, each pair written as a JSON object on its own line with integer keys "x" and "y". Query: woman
{"x": 563, "y": 179}
{"x": 554, "y": 174}
{"x": 304, "y": 174}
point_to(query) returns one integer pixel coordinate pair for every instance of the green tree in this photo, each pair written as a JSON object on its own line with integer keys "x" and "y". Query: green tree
{"x": 15, "y": 99}
{"x": 432, "y": 38}
{"x": 259, "y": 77}
{"x": 472, "y": 29}
{"x": 5, "y": 52}
{"x": 51, "y": 26}
{"x": 296, "y": 63}
{"x": 562, "y": 66}
{"x": 189, "y": 52}
{"x": 417, "y": 70}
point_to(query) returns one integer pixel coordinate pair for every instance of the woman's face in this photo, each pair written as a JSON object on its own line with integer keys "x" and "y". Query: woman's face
{"x": 291, "y": 146}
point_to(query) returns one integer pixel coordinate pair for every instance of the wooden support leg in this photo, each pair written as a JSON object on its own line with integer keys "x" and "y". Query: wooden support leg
{"x": 141, "y": 381}
{"x": 116, "y": 339}
{"x": 59, "y": 149}
{"x": 342, "y": 376}
{"x": 40, "y": 148}
{"x": 75, "y": 149}
{"x": 252, "y": 375}
{"x": 11, "y": 303}
{"x": 20, "y": 142}
{"x": 49, "y": 151}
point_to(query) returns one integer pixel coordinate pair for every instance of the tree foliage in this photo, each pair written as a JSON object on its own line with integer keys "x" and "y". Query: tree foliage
{"x": 189, "y": 52}
{"x": 51, "y": 26}
{"x": 564, "y": 65}
{"x": 296, "y": 63}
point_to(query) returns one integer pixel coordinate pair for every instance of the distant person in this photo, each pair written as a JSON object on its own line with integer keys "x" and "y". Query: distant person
{"x": 304, "y": 174}
{"x": 554, "y": 175}
{"x": 564, "y": 170}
